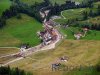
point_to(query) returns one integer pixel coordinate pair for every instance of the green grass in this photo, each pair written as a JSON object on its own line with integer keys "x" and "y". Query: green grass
{"x": 95, "y": 20}
{"x": 4, "y": 4}
{"x": 96, "y": 4}
{"x": 91, "y": 34}
{"x": 72, "y": 14}
{"x": 84, "y": 71}
{"x": 63, "y": 1}
{"x": 19, "y": 31}
{"x": 69, "y": 32}
{"x": 76, "y": 13}
{"x": 30, "y": 2}
{"x": 58, "y": 1}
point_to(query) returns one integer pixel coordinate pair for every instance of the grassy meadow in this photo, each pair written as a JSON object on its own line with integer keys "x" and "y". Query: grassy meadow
{"x": 7, "y": 51}
{"x": 91, "y": 34}
{"x": 30, "y": 2}
{"x": 77, "y": 13}
{"x": 81, "y": 52}
{"x": 95, "y": 20}
{"x": 4, "y": 4}
{"x": 71, "y": 14}
{"x": 96, "y": 4}
{"x": 20, "y": 31}
{"x": 63, "y": 1}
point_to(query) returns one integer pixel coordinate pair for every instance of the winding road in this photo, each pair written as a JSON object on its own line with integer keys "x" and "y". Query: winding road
{"x": 32, "y": 50}
{"x": 63, "y": 15}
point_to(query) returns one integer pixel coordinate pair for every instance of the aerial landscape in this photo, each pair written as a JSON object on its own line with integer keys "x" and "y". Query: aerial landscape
{"x": 49, "y": 37}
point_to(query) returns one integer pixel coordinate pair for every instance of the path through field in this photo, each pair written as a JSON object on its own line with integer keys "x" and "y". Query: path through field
{"x": 33, "y": 50}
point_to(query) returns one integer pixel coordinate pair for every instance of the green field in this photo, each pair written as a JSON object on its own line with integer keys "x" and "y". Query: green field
{"x": 75, "y": 13}
{"x": 30, "y": 2}
{"x": 71, "y": 14}
{"x": 82, "y": 52}
{"x": 96, "y": 4}
{"x": 4, "y": 4}
{"x": 63, "y": 1}
{"x": 95, "y": 20}
{"x": 91, "y": 34}
{"x": 19, "y": 31}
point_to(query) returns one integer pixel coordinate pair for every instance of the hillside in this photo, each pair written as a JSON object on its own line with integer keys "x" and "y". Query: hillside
{"x": 30, "y": 2}
{"x": 79, "y": 53}
{"x": 5, "y": 4}
{"x": 69, "y": 16}
{"x": 54, "y": 37}
{"x": 20, "y": 31}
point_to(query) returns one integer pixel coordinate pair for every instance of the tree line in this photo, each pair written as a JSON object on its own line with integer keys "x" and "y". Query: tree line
{"x": 33, "y": 10}
{"x": 18, "y": 7}
{"x": 13, "y": 71}
{"x": 86, "y": 15}
{"x": 56, "y": 9}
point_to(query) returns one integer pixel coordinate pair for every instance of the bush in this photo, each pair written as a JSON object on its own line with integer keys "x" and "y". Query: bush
{"x": 2, "y": 22}
{"x": 14, "y": 71}
{"x": 19, "y": 16}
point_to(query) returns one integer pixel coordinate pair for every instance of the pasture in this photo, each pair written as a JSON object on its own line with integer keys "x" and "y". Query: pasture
{"x": 75, "y": 13}
{"x": 81, "y": 52}
{"x": 96, "y": 4}
{"x": 20, "y": 31}
{"x": 30, "y": 2}
{"x": 71, "y": 14}
{"x": 4, "y": 4}
{"x": 91, "y": 34}
{"x": 7, "y": 51}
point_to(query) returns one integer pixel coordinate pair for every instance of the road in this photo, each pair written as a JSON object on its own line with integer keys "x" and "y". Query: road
{"x": 34, "y": 49}
{"x": 63, "y": 15}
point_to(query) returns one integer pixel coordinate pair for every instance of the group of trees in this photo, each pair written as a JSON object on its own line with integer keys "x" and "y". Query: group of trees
{"x": 86, "y": 15}
{"x": 88, "y": 25}
{"x": 56, "y": 9}
{"x": 33, "y": 10}
{"x": 2, "y": 22}
{"x": 91, "y": 13}
{"x": 14, "y": 71}
{"x": 18, "y": 7}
